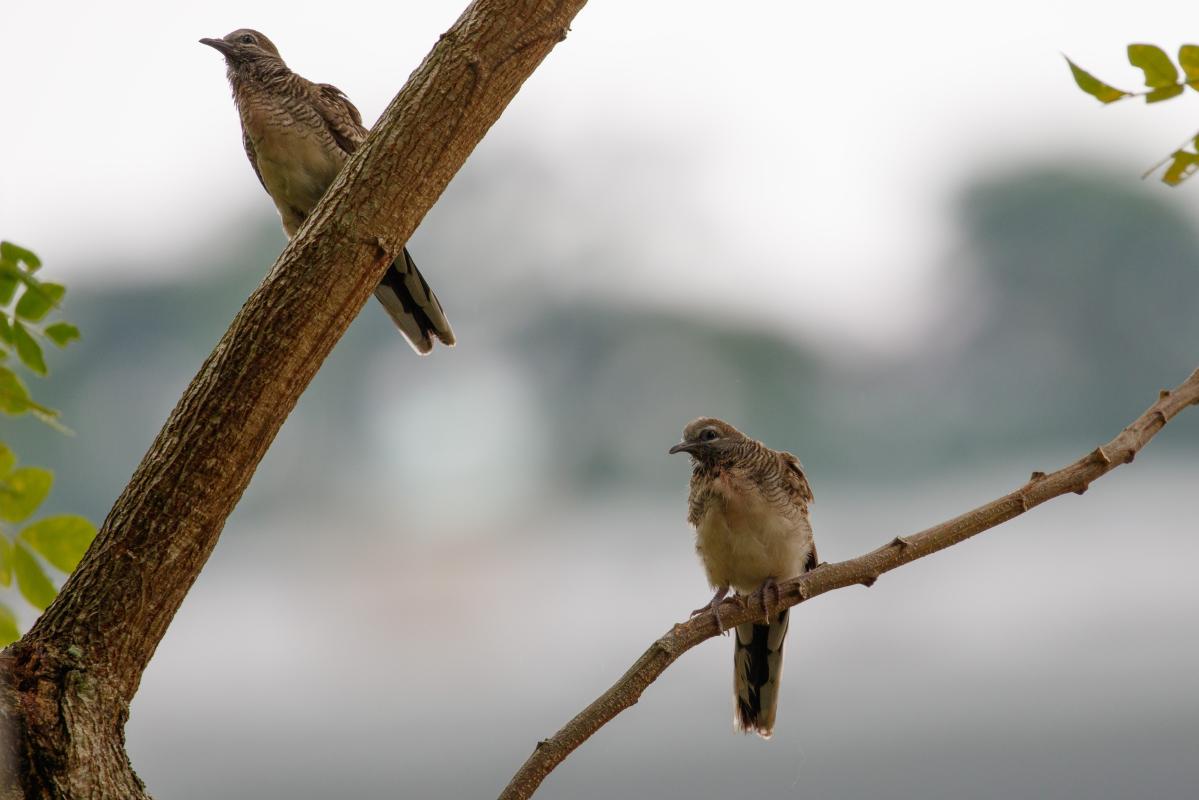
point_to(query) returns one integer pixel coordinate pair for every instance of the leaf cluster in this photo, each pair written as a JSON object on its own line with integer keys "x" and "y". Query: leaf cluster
{"x": 1163, "y": 81}
{"x": 58, "y": 541}
{"x": 55, "y": 541}
{"x": 25, "y": 302}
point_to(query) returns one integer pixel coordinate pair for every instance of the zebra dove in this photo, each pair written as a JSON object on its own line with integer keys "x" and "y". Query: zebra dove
{"x": 298, "y": 134}
{"x": 749, "y": 507}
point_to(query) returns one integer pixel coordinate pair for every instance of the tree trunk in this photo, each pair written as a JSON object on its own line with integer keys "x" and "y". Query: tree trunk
{"x": 65, "y": 687}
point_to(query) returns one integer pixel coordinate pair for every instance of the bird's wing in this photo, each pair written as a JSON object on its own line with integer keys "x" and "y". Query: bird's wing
{"x": 250, "y": 154}
{"x": 340, "y": 116}
{"x": 796, "y": 481}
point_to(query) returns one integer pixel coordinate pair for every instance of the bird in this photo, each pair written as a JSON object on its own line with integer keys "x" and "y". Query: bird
{"x": 297, "y": 135}
{"x": 749, "y": 507}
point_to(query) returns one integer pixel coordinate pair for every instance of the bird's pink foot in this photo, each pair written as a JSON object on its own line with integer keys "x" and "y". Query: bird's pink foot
{"x": 714, "y": 606}
{"x": 762, "y": 597}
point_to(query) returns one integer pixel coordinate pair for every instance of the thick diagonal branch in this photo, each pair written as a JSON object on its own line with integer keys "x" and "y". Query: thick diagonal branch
{"x": 90, "y": 647}
{"x": 120, "y": 600}
{"x": 865, "y": 570}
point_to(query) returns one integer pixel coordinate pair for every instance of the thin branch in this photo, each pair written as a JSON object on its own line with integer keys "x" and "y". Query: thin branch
{"x": 864, "y": 570}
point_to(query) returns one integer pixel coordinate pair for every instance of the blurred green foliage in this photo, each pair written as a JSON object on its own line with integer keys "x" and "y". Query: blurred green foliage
{"x": 59, "y": 539}
{"x": 1163, "y": 82}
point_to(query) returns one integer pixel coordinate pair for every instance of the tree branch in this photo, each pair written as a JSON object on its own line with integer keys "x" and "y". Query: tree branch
{"x": 864, "y": 570}
{"x": 66, "y": 685}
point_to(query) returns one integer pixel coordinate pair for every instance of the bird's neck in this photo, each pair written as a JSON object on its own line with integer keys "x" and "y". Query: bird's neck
{"x": 712, "y": 464}
{"x": 268, "y": 76}
{"x": 748, "y": 453}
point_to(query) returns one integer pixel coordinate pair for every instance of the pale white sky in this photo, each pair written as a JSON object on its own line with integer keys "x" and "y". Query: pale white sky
{"x": 815, "y": 148}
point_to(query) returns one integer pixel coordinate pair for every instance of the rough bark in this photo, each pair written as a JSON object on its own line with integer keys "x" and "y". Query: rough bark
{"x": 65, "y": 687}
{"x": 863, "y": 570}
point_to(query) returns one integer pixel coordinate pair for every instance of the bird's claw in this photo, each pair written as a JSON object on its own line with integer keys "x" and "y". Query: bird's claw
{"x": 714, "y": 606}
{"x": 760, "y": 597}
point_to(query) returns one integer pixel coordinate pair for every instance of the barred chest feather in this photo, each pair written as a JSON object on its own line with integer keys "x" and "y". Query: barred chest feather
{"x": 743, "y": 538}
{"x": 293, "y": 153}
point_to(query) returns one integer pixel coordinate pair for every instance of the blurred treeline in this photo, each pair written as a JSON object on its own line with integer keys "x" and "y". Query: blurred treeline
{"x": 1070, "y": 298}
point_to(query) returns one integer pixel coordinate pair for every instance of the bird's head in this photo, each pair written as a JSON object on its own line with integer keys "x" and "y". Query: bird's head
{"x": 708, "y": 440}
{"x": 244, "y": 46}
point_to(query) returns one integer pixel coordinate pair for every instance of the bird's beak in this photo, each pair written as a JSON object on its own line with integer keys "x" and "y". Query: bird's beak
{"x": 219, "y": 44}
{"x": 683, "y": 447}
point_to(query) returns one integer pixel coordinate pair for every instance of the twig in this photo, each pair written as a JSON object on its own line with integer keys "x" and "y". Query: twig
{"x": 864, "y": 570}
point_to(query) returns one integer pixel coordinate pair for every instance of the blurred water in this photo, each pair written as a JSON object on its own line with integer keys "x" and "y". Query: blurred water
{"x": 1053, "y": 657}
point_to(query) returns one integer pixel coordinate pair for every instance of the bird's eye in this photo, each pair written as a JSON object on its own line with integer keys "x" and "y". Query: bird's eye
{"x": 246, "y": 38}
{"x": 708, "y": 434}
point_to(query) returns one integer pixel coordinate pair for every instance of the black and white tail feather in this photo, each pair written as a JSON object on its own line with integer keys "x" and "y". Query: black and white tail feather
{"x": 757, "y": 669}
{"x": 412, "y": 305}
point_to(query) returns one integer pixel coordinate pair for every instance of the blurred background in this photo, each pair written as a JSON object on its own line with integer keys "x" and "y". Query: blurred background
{"x": 895, "y": 240}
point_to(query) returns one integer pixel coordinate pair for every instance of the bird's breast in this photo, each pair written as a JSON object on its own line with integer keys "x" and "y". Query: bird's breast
{"x": 743, "y": 539}
{"x": 296, "y": 159}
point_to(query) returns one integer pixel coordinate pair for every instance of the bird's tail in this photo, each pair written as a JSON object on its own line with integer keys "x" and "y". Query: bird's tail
{"x": 412, "y": 305}
{"x": 757, "y": 668}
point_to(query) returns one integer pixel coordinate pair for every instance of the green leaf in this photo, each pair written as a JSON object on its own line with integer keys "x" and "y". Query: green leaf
{"x": 29, "y": 351}
{"x": 1188, "y": 59}
{"x": 1152, "y": 60}
{"x": 1165, "y": 93}
{"x": 22, "y": 491}
{"x": 14, "y": 397}
{"x": 31, "y": 579}
{"x": 6, "y": 334}
{"x": 8, "y": 282}
{"x": 61, "y": 333}
{"x": 5, "y": 561}
{"x": 8, "y": 459}
{"x": 9, "y": 632}
{"x": 1181, "y": 167}
{"x": 61, "y": 540}
{"x": 12, "y": 252}
{"x": 37, "y": 300}
{"x": 15, "y": 400}
{"x": 1093, "y": 86}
